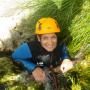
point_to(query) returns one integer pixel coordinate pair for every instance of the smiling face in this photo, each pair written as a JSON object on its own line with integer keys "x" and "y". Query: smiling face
{"x": 48, "y": 41}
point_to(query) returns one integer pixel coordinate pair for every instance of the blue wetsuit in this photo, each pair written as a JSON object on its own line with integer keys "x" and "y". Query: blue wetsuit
{"x": 32, "y": 54}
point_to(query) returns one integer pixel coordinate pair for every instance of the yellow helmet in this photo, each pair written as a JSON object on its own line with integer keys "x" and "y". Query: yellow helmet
{"x": 47, "y": 25}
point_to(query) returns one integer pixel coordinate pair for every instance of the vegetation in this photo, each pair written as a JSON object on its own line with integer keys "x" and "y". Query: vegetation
{"x": 73, "y": 17}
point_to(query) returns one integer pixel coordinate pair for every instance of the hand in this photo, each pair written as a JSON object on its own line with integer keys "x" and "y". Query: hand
{"x": 66, "y": 65}
{"x": 56, "y": 69}
{"x": 39, "y": 74}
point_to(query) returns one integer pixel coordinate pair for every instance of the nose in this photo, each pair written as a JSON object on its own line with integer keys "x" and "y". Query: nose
{"x": 50, "y": 42}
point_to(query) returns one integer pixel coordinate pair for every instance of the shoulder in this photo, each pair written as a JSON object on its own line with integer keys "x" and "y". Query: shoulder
{"x": 22, "y": 52}
{"x": 33, "y": 43}
{"x": 61, "y": 45}
{"x": 34, "y": 46}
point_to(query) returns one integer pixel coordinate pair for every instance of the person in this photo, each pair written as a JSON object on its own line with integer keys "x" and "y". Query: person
{"x": 39, "y": 56}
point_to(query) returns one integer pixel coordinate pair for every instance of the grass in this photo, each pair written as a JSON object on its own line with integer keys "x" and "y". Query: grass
{"x": 73, "y": 17}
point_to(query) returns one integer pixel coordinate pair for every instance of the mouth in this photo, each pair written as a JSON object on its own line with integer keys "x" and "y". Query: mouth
{"x": 49, "y": 46}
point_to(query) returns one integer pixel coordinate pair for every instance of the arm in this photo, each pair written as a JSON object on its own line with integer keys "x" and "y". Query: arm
{"x": 66, "y": 63}
{"x": 22, "y": 55}
{"x": 64, "y": 52}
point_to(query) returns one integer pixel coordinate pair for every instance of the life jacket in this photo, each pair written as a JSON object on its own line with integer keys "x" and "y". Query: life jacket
{"x": 43, "y": 58}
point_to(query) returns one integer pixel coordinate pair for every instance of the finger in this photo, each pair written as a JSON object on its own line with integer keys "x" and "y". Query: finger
{"x": 61, "y": 68}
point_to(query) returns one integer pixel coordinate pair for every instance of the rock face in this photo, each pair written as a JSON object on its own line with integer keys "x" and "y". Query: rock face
{"x": 11, "y": 15}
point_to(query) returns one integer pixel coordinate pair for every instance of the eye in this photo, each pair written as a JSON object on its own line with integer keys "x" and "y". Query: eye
{"x": 44, "y": 38}
{"x": 54, "y": 37}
